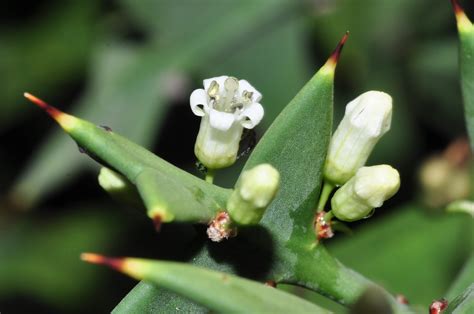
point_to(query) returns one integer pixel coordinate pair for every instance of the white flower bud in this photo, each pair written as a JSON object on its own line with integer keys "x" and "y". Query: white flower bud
{"x": 368, "y": 189}
{"x": 226, "y": 106}
{"x": 254, "y": 191}
{"x": 366, "y": 120}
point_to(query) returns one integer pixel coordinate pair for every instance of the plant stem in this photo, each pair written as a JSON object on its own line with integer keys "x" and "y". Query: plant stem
{"x": 210, "y": 175}
{"x": 319, "y": 271}
{"x": 323, "y": 198}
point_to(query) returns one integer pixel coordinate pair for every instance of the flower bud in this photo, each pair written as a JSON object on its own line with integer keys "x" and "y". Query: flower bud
{"x": 368, "y": 189}
{"x": 366, "y": 119}
{"x": 253, "y": 193}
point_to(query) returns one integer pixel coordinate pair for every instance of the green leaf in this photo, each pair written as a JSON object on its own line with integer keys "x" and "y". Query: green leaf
{"x": 464, "y": 303}
{"x": 217, "y": 291}
{"x": 466, "y": 37}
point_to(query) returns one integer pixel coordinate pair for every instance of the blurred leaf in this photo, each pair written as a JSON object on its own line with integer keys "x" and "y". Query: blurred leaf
{"x": 464, "y": 303}
{"x": 45, "y": 53}
{"x": 40, "y": 257}
{"x": 463, "y": 279}
{"x": 466, "y": 38}
{"x": 217, "y": 291}
{"x": 409, "y": 252}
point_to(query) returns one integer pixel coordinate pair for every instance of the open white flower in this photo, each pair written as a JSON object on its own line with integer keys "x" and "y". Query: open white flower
{"x": 226, "y": 105}
{"x": 366, "y": 120}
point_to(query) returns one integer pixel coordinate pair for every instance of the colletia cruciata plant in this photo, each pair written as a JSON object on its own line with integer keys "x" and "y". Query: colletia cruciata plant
{"x": 296, "y": 186}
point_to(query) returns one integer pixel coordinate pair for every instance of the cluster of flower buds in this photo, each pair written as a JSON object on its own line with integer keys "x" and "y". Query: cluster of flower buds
{"x": 367, "y": 118}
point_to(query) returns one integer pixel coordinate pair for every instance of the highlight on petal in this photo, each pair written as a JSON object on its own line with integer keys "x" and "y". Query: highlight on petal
{"x": 251, "y": 116}
{"x": 199, "y": 102}
{"x": 244, "y": 85}
{"x": 221, "y": 120}
{"x": 219, "y": 79}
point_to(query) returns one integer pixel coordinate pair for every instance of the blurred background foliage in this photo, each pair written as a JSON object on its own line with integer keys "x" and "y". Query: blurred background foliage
{"x": 131, "y": 64}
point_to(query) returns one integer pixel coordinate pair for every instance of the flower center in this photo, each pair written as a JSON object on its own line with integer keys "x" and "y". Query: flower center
{"x": 229, "y": 101}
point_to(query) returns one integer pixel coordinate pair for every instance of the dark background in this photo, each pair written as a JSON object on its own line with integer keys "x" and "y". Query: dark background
{"x": 131, "y": 65}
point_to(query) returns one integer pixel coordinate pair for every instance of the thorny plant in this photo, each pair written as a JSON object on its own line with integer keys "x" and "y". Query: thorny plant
{"x": 299, "y": 186}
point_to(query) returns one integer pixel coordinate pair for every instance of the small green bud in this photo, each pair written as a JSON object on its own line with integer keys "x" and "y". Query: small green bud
{"x": 366, "y": 120}
{"x": 253, "y": 193}
{"x": 368, "y": 189}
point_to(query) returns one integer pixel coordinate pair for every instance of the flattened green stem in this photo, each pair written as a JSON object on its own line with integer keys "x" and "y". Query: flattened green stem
{"x": 319, "y": 271}
{"x": 323, "y": 199}
{"x": 220, "y": 292}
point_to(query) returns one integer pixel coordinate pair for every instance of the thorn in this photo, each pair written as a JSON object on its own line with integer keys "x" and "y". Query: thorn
{"x": 334, "y": 58}
{"x": 456, "y": 7}
{"x": 115, "y": 263}
{"x": 462, "y": 20}
{"x": 52, "y": 111}
{"x": 65, "y": 121}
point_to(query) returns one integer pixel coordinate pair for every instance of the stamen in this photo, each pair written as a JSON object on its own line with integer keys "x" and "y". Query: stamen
{"x": 247, "y": 96}
{"x": 213, "y": 90}
{"x": 231, "y": 85}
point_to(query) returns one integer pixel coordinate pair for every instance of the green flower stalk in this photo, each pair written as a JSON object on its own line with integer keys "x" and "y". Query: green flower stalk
{"x": 368, "y": 189}
{"x": 254, "y": 192}
{"x": 366, "y": 120}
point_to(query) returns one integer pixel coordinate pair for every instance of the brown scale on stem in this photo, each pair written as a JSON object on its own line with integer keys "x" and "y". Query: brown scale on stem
{"x": 438, "y": 306}
{"x": 322, "y": 227}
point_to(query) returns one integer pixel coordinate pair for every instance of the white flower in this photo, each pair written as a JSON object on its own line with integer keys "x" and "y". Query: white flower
{"x": 366, "y": 120}
{"x": 226, "y": 106}
{"x": 368, "y": 189}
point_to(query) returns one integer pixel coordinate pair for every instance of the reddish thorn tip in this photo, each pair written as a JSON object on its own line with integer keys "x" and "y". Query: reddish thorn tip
{"x": 53, "y": 112}
{"x": 157, "y": 220}
{"x": 337, "y": 52}
{"x": 115, "y": 263}
{"x": 457, "y": 7}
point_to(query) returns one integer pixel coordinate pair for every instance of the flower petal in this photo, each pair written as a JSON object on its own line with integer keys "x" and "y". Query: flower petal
{"x": 219, "y": 79}
{"x": 221, "y": 120}
{"x": 199, "y": 102}
{"x": 251, "y": 116}
{"x": 245, "y": 86}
